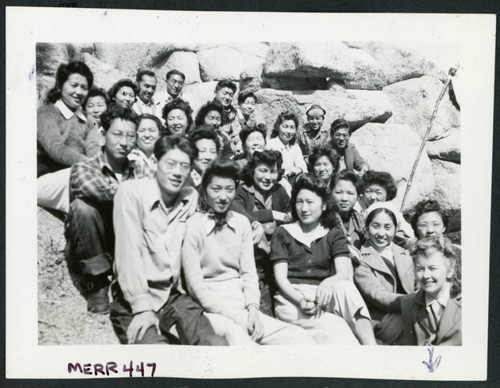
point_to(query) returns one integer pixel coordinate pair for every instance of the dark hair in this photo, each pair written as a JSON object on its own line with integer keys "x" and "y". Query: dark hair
{"x": 98, "y": 92}
{"x": 175, "y": 72}
{"x": 269, "y": 157}
{"x": 443, "y": 245}
{"x": 311, "y": 182}
{"x": 62, "y": 75}
{"x": 120, "y": 84}
{"x": 206, "y": 109}
{"x": 324, "y": 150}
{"x": 142, "y": 73}
{"x": 204, "y": 132}
{"x": 339, "y": 123}
{"x": 285, "y": 116}
{"x": 114, "y": 112}
{"x": 184, "y": 106}
{"x": 244, "y": 95}
{"x": 148, "y": 116}
{"x": 225, "y": 83}
{"x": 428, "y": 206}
{"x": 247, "y": 131}
{"x": 347, "y": 175}
{"x": 220, "y": 167}
{"x": 315, "y": 106}
{"x": 379, "y": 210}
{"x": 381, "y": 178}
{"x": 167, "y": 143}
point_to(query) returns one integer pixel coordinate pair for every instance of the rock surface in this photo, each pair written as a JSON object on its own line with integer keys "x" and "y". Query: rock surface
{"x": 448, "y": 190}
{"x": 398, "y": 62}
{"x": 184, "y": 61}
{"x": 375, "y": 143}
{"x": 414, "y": 101}
{"x": 225, "y": 63}
{"x": 334, "y": 60}
{"x": 447, "y": 149}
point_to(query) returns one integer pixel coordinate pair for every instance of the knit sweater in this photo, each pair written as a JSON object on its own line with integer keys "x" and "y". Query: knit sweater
{"x": 63, "y": 140}
{"x": 219, "y": 264}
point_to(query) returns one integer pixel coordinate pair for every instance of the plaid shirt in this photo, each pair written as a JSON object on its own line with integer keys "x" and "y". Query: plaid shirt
{"x": 95, "y": 181}
{"x": 307, "y": 139}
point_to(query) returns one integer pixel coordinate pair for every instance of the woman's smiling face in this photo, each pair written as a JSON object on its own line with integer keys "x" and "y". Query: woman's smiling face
{"x": 147, "y": 135}
{"x": 381, "y": 230}
{"x": 286, "y": 131}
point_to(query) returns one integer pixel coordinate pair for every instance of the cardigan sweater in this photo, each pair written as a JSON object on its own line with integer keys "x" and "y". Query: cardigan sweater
{"x": 63, "y": 140}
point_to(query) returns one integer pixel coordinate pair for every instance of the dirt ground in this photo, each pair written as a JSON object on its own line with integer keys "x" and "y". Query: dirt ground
{"x": 62, "y": 312}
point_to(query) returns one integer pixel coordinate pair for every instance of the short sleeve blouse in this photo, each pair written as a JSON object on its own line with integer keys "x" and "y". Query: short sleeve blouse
{"x": 309, "y": 265}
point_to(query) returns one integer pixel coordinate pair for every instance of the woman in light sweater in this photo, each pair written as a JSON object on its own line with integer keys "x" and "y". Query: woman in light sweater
{"x": 219, "y": 266}
{"x": 65, "y": 134}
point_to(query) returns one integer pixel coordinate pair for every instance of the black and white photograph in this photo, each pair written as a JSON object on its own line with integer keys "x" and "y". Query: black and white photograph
{"x": 247, "y": 197}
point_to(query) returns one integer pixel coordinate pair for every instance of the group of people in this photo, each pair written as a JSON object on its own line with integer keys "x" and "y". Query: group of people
{"x": 220, "y": 231}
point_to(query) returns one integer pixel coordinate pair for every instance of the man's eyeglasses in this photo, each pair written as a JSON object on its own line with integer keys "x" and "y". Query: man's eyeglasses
{"x": 170, "y": 164}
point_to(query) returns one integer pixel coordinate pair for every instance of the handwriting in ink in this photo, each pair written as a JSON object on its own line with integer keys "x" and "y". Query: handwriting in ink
{"x": 112, "y": 368}
{"x": 432, "y": 365}
{"x": 31, "y": 73}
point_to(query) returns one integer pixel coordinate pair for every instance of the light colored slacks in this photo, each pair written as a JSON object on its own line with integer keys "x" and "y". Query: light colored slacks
{"x": 333, "y": 326}
{"x": 275, "y": 332}
{"x": 53, "y": 190}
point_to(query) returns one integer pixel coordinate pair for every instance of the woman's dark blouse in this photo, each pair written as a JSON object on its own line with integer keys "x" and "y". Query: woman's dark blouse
{"x": 308, "y": 265}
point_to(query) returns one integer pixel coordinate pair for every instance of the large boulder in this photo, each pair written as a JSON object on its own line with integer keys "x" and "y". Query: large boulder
{"x": 223, "y": 62}
{"x": 399, "y": 62}
{"x": 447, "y": 149}
{"x": 250, "y": 78}
{"x": 126, "y": 57}
{"x": 393, "y": 148}
{"x": 105, "y": 74}
{"x": 356, "y": 68}
{"x": 447, "y": 191}
{"x": 414, "y": 101}
{"x": 49, "y": 56}
{"x": 358, "y": 107}
{"x": 184, "y": 61}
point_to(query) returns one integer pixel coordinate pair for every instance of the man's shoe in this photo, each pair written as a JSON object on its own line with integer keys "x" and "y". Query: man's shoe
{"x": 98, "y": 301}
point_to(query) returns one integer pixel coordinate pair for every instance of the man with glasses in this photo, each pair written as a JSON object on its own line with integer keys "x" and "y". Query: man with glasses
{"x": 150, "y": 222}
{"x": 349, "y": 157}
{"x": 175, "y": 83}
{"x": 89, "y": 227}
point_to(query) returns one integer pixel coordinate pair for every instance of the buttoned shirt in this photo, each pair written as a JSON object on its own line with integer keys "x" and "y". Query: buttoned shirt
{"x": 148, "y": 240}
{"x": 94, "y": 180}
{"x": 292, "y": 154}
{"x": 310, "y": 259}
{"x": 153, "y": 108}
{"x": 308, "y": 139}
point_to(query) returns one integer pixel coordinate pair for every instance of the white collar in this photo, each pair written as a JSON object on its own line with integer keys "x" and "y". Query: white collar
{"x": 305, "y": 238}
{"x": 68, "y": 113}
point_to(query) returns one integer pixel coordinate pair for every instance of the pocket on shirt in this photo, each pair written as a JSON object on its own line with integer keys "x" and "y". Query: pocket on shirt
{"x": 153, "y": 240}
